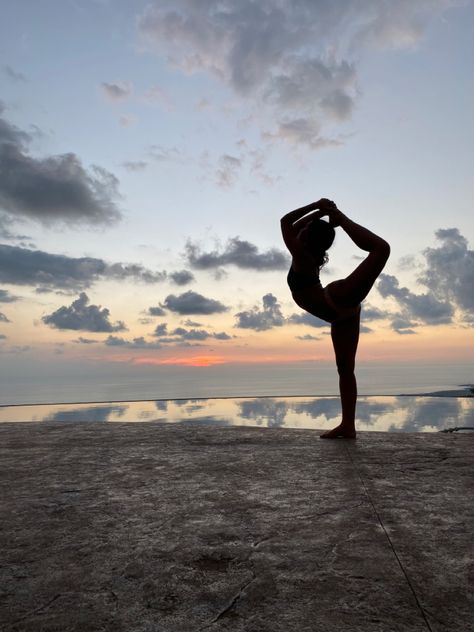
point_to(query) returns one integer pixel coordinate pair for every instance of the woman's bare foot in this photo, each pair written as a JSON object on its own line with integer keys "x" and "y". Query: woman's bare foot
{"x": 340, "y": 432}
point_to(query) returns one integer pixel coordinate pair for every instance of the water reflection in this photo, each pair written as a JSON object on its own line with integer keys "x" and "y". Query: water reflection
{"x": 90, "y": 412}
{"x": 392, "y": 414}
{"x": 264, "y": 411}
{"x": 161, "y": 405}
{"x": 435, "y": 413}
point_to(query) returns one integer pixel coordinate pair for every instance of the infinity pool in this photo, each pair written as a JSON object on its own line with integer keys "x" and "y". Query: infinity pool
{"x": 387, "y": 414}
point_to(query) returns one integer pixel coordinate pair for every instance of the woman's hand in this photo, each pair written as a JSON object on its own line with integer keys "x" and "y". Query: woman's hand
{"x": 328, "y": 208}
{"x": 324, "y": 204}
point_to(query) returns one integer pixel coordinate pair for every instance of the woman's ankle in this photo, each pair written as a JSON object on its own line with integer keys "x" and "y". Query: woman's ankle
{"x": 349, "y": 425}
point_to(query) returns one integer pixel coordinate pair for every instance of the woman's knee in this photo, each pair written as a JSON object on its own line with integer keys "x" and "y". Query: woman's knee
{"x": 383, "y": 248}
{"x": 378, "y": 256}
{"x": 345, "y": 368}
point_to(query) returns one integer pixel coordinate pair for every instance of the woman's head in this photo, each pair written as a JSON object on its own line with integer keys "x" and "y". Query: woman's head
{"x": 317, "y": 237}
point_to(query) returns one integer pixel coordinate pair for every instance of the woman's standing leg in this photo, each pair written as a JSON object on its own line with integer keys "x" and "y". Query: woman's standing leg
{"x": 345, "y": 338}
{"x": 350, "y": 292}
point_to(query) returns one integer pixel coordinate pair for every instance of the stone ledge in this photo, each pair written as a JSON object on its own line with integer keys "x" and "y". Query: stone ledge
{"x": 163, "y": 528}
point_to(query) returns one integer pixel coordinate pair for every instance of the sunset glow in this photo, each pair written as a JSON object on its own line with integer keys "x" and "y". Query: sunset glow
{"x": 188, "y": 361}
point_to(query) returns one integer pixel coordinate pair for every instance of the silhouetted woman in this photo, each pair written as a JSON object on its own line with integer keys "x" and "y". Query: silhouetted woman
{"x": 308, "y": 237}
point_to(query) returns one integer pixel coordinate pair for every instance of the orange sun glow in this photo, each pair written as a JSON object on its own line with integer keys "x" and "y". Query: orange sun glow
{"x": 192, "y": 361}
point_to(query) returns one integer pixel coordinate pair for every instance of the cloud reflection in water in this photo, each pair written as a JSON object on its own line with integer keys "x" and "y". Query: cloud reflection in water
{"x": 392, "y": 414}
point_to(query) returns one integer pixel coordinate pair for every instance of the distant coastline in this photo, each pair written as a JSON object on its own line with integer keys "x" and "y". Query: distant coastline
{"x": 467, "y": 391}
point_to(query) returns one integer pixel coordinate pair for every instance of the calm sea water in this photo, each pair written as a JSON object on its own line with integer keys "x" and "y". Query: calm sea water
{"x": 309, "y": 379}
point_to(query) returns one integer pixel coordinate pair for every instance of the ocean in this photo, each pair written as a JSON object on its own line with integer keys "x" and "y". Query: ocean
{"x": 119, "y": 383}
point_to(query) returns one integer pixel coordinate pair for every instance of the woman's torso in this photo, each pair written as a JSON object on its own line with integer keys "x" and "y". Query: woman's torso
{"x": 307, "y": 290}
{"x": 298, "y": 280}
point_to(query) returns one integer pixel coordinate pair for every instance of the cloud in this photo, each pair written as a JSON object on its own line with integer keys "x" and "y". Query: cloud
{"x": 291, "y": 61}
{"x": 309, "y": 80}
{"x": 119, "y": 271}
{"x": 225, "y": 169}
{"x": 5, "y": 233}
{"x": 400, "y": 25}
{"x": 135, "y": 165}
{"x": 136, "y": 343}
{"x": 53, "y": 189}
{"x": 10, "y": 134}
{"x": 3, "y": 337}
{"x": 300, "y": 131}
{"x": 6, "y": 297}
{"x": 257, "y": 163}
{"x": 307, "y": 319}
{"x": 82, "y": 316}
{"x": 156, "y": 311}
{"x": 13, "y": 74}
{"x": 449, "y": 272}
{"x": 85, "y": 341}
{"x": 118, "y": 91}
{"x": 228, "y": 170}
{"x": 374, "y": 313}
{"x": 181, "y": 277}
{"x": 309, "y": 93}
{"x": 56, "y": 189}
{"x": 238, "y": 252}
{"x": 424, "y": 307}
{"x": 165, "y": 154}
{"x": 240, "y": 43}
{"x": 21, "y": 266}
{"x": 403, "y": 325}
{"x": 262, "y": 319}
{"x": 221, "y": 335}
{"x": 193, "y": 303}
{"x": 161, "y": 330}
{"x": 180, "y": 334}
{"x": 170, "y": 337}
{"x": 308, "y": 337}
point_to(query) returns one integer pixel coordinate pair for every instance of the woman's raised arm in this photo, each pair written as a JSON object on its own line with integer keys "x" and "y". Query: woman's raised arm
{"x": 293, "y": 216}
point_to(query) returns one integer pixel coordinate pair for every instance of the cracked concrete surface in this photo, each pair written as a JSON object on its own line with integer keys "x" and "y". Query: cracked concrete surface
{"x": 168, "y": 528}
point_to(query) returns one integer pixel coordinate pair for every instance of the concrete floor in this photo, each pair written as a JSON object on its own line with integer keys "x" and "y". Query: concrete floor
{"x": 166, "y": 528}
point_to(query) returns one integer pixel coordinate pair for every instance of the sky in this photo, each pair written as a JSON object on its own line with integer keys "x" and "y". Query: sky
{"x": 149, "y": 149}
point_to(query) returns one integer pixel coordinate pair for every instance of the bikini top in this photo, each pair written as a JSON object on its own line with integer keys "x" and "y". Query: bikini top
{"x": 301, "y": 280}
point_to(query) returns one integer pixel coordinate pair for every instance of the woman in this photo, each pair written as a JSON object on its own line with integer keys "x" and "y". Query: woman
{"x": 308, "y": 237}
